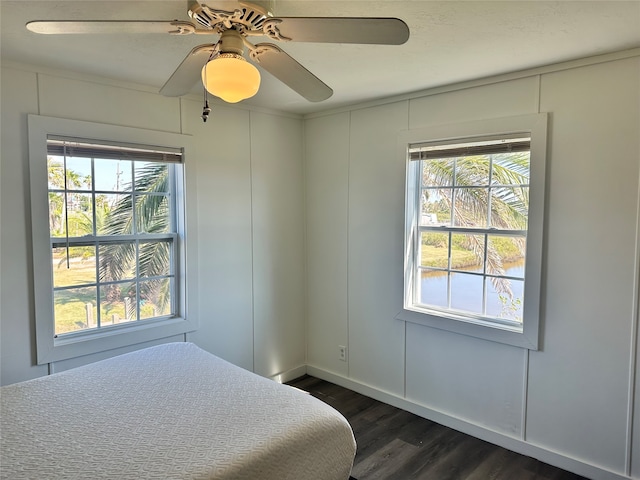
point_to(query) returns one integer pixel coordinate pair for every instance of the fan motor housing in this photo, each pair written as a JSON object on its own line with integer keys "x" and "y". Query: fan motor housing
{"x": 244, "y": 17}
{"x": 231, "y": 42}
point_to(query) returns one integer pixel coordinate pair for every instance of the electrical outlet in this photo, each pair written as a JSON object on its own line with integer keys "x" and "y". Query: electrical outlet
{"x": 342, "y": 353}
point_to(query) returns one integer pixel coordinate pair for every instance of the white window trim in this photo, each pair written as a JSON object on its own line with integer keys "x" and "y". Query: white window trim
{"x": 50, "y": 349}
{"x": 535, "y": 125}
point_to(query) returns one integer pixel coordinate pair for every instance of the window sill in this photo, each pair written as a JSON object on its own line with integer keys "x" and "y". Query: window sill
{"x": 64, "y": 348}
{"x": 509, "y": 335}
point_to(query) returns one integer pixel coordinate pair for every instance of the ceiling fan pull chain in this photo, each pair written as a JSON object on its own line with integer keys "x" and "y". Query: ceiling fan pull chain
{"x": 206, "y": 110}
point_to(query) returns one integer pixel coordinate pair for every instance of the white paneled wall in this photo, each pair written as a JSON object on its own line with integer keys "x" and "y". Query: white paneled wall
{"x": 97, "y": 102}
{"x": 488, "y": 385}
{"x": 583, "y": 370}
{"x": 18, "y": 98}
{"x": 250, "y": 229}
{"x": 326, "y": 198}
{"x": 278, "y": 249}
{"x": 502, "y": 99}
{"x": 568, "y": 403}
{"x": 224, "y": 225}
{"x": 375, "y": 238}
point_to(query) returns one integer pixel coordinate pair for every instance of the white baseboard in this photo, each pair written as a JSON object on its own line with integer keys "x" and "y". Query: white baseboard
{"x": 290, "y": 374}
{"x": 510, "y": 443}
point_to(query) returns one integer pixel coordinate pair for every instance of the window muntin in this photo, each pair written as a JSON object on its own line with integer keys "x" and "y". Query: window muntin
{"x": 471, "y": 211}
{"x": 113, "y": 234}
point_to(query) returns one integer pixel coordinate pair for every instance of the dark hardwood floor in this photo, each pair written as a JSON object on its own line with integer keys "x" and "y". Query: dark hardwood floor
{"x": 395, "y": 444}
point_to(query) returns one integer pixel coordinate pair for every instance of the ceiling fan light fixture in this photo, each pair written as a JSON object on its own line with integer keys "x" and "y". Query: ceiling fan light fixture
{"x": 230, "y": 77}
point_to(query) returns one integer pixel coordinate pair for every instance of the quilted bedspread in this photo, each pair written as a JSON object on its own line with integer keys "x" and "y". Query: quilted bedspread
{"x": 169, "y": 412}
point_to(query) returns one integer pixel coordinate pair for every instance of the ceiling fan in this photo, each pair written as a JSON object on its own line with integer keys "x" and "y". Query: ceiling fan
{"x": 222, "y": 66}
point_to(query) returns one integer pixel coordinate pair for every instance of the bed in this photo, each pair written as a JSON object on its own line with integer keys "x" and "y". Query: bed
{"x": 169, "y": 412}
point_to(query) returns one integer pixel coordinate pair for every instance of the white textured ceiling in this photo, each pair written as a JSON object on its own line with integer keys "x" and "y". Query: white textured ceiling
{"x": 450, "y": 41}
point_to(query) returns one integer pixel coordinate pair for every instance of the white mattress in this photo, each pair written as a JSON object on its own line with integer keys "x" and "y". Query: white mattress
{"x": 169, "y": 412}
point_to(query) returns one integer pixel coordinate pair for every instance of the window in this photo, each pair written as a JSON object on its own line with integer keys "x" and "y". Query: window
{"x": 113, "y": 222}
{"x": 473, "y": 228}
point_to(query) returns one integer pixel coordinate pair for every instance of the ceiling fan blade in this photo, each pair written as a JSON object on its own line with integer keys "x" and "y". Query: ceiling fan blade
{"x": 175, "y": 27}
{"x": 188, "y": 72}
{"x": 290, "y": 72}
{"x": 377, "y": 31}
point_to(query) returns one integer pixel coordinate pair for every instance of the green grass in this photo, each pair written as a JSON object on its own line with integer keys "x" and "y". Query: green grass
{"x": 439, "y": 257}
{"x": 435, "y": 251}
{"x": 76, "y": 275}
{"x": 70, "y": 309}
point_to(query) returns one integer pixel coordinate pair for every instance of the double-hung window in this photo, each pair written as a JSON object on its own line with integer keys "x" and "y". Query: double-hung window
{"x": 473, "y": 228}
{"x": 113, "y": 219}
{"x": 112, "y": 223}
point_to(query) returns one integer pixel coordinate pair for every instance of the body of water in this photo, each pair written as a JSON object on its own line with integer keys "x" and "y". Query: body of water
{"x": 466, "y": 292}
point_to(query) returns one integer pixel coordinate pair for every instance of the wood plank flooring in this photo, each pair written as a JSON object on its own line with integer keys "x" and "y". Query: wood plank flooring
{"x": 397, "y": 445}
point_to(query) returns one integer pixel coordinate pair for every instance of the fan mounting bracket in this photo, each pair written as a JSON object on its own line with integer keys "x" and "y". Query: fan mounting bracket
{"x": 271, "y": 30}
{"x": 182, "y": 28}
{"x": 257, "y": 50}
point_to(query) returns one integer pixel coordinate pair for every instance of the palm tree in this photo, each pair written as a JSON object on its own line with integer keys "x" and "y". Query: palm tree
{"x": 506, "y": 208}
{"x": 61, "y": 179}
{"x": 151, "y": 215}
